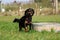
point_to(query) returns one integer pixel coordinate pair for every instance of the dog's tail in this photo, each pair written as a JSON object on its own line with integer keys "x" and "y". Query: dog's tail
{"x": 16, "y": 20}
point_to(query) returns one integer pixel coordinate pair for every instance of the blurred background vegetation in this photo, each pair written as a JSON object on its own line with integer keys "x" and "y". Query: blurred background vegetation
{"x": 41, "y": 7}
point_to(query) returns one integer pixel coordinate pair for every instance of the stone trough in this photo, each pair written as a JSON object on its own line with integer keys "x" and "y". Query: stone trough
{"x": 46, "y": 26}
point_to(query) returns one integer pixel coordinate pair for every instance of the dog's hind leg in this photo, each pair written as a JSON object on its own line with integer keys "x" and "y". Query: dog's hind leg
{"x": 20, "y": 28}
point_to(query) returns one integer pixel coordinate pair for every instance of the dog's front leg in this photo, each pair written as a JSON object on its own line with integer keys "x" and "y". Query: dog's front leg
{"x": 26, "y": 28}
{"x": 30, "y": 26}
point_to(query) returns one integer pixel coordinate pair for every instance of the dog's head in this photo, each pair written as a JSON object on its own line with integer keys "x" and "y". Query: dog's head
{"x": 16, "y": 20}
{"x": 29, "y": 12}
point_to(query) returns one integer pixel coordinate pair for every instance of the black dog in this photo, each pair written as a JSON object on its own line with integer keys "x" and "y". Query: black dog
{"x": 26, "y": 20}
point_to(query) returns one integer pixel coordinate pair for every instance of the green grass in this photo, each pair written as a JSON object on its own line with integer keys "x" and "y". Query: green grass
{"x": 47, "y": 18}
{"x": 9, "y": 30}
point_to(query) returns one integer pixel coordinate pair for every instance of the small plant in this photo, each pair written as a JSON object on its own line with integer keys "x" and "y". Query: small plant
{"x": 44, "y": 31}
{"x": 52, "y": 30}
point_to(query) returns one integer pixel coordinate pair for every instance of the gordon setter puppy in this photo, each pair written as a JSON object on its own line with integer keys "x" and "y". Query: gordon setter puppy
{"x": 26, "y": 20}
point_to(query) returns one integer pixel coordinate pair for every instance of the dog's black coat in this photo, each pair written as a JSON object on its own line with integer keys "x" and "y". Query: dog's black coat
{"x": 22, "y": 23}
{"x": 26, "y": 20}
